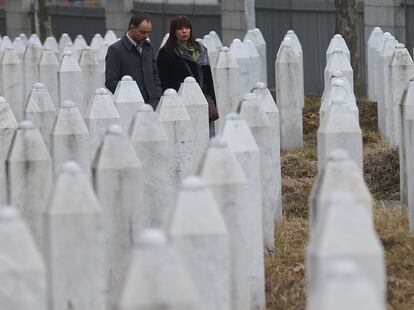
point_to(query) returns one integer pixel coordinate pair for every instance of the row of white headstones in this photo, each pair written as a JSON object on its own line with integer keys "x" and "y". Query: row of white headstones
{"x": 345, "y": 266}
{"x": 390, "y": 84}
{"x": 101, "y": 185}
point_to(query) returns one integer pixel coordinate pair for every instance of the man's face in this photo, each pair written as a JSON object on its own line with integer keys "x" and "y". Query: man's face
{"x": 141, "y": 32}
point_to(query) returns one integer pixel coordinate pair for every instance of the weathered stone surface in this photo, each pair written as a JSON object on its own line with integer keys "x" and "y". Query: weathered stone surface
{"x": 243, "y": 144}
{"x": 19, "y": 46}
{"x": 255, "y": 35}
{"x": 153, "y": 148}
{"x": 197, "y": 108}
{"x": 339, "y": 129}
{"x": 110, "y": 37}
{"x": 31, "y": 61}
{"x": 241, "y": 55}
{"x": 70, "y": 139}
{"x": 28, "y": 161}
{"x": 199, "y": 235}
{"x": 346, "y": 232}
{"x": 22, "y": 273}
{"x": 177, "y": 124}
{"x": 339, "y": 62}
{"x": 69, "y": 81}
{"x": 157, "y": 278}
{"x": 288, "y": 97}
{"x": 371, "y": 59}
{"x": 225, "y": 178}
{"x": 337, "y": 42}
{"x": 400, "y": 71}
{"x": 12, "y": 81}
{"x": 270, "y": 108}
{"x": 253, "y": 113}
{"x": 254, "y": 63}
{"x": 41, "y": 111}
{"x": 226, "y": 84}
{"x": 74, "y": 247}
{"x": 99, "y": 116}
{"x": 51, "y": 43}
{"x": 298, "y": 49}
{"x": 80, "y": 44}
{"x": 48, "y": 67}
{"x": 127, "y": 99}
{"x": 118, "y": 183}
{"x": 63, "y": 40}
{"x": 8, "y": 125}
{"x": 339, "y": 172}
{"x": 216, "y": 39}
{"x": 90, "y": 74}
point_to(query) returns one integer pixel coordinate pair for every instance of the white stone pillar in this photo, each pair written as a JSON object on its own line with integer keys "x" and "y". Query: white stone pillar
{"x": 177, "y": 124}
{"x": 8, "y": 125}
{"x": 19, "y": 46}
{"x": 338, "y": 61}
{"x": 270, "y": 108}
{"x": 199, "y": 235}
{"x": 255, "y": 35}
{"x": 298, "y": 49}
{"x": 99, "y": 116}
{"x": 74, "y": 247}
{"x": 96, "y": 42}
{"x": 51, "y": 43}
{"x": 70, "y": 81}
{"x": 241, "y": 55}
{"x": 110, "y": 37}
{"x": 23, "y": 274}
{"x": 158, "y": 277}
{"x": 374, "y": 36}
{"x": 153, "y": 148}
{"x": 70, "y": 139}
{"x": 90, "y": 73}
{"x": 401, "y": 70}
{"x": 48, "y": 68}
{"x": 118, "y": 183}
{"x": 41, "y": 111}
{"x": 339, "y": 172}
{"x": 288, "y": 97}
{"x": 346, "y": 232}
{"x": 197, "y": 108}
{"x": 29, "y": 176}
{"x": 225, "y": 178}
{"x": 127, "y": 99}
{"x": 12, "y": 82}
{"x": 339, "y": 129}
{"x": 79, "y": 43}
{"x": 243, "y": 144}
{"x": 226, "y": 84}
{"x": 337, "y": 42}
{"x": 63, "y": 40}
{"x": 253, "y": 113}
{"x": 31, "y": 61}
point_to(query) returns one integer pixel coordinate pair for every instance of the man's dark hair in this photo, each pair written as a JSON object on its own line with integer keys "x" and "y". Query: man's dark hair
{"x": 138, "y": 18}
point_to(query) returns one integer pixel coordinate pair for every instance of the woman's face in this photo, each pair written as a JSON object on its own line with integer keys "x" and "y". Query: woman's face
{"x": 183, "y": 34}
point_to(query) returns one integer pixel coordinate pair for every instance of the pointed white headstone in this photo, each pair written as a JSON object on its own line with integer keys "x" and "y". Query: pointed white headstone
{"x": 151, "y": 143}
{"x": 199, "y": 235}
{"x": 241, "y": 55}
{"x": 79, "y": 43}
{"x": 197, "y": 108}
{"x": 41, "y": 111}
{"x": 19, "y": 46}
{"x": 157, "y": 278}
{"x": 64, "y": 39}
{"x": 127, "y": 99}
{"x": 371, "y": 59}
{"x": 90, "y": 73}
{"x": 288, "y": 98}
{"x": 29, "y": 176}
{"x": 337, "y": 42}
{"x": 118, "y": 180}
{"x": 70, "y": 81}
{"x": 48, "y": 67}
{"x": 97, "y": 42}
{"x": 257, "y": 39}
{"x": 31, "y": 61}
{"x": 226, "y": 84}
{"x": 225, "y": 178}
{"x": 70, "y": 138}
{"x": 51, "y": 43}
{"x": 22, "y": 273}
{"x": 243, "y": 144}
{"x": 338, "y": 61}
{"x": 74, "y": 247}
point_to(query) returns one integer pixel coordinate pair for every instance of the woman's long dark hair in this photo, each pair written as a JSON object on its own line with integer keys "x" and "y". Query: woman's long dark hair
{"x": 179, "y": 22}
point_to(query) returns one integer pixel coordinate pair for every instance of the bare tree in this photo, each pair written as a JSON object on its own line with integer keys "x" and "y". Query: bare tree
{"x": 42, "y": 19}
{"x": 347, "y": 26}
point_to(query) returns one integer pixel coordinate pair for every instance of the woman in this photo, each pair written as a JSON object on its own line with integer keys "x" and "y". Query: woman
{"x": 183, "y": 56}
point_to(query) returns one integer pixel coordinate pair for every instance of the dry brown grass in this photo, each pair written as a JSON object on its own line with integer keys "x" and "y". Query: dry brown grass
{"x": 285, "y": 287}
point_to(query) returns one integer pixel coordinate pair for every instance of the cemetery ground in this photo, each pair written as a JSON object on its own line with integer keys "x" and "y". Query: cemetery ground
{"x": 285, "y": 272}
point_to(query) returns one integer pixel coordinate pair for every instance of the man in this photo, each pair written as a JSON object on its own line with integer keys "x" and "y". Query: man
{"x": 133, "y": 55}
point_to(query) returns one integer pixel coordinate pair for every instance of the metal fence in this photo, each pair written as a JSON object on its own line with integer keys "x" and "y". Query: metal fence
{"x": 314, "y": 23}
{"x": 204, "y": 18}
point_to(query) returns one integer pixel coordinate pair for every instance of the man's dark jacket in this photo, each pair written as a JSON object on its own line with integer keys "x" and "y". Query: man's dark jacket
{"x": 123, "y": 58}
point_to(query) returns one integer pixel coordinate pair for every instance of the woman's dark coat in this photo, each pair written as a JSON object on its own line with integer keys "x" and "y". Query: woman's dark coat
{"x": 173, "y": 70}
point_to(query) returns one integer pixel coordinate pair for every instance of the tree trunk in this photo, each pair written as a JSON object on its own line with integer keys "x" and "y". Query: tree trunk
{"x": 347, "y": 26}
{"x": 42, "y": 24}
